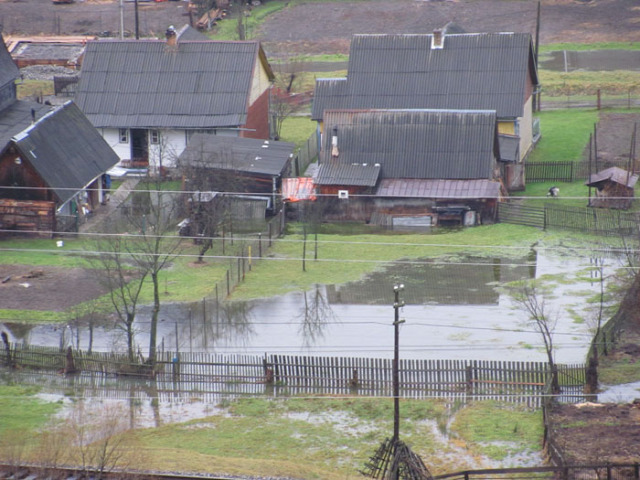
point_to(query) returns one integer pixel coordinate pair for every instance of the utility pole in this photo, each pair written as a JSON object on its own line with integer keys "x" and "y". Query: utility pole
{"x": 397, "y": 305}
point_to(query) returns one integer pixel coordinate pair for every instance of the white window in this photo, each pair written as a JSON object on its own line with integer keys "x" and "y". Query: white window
{"x": 124, "y": 135}
{"x": 154, "y": 137}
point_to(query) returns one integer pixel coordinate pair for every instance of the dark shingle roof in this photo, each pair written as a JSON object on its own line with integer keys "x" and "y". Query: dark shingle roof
{"x": 436, "y": 144}
{"x": 8, "y": 69}
{"x": 66, "y": 150}
{"x": 357, "y": 175}
{"x": 18, "y": 117}
{"x": 236, "y": 153}
{"x": 148, "y": 84}
{"x": 483, "y": 71}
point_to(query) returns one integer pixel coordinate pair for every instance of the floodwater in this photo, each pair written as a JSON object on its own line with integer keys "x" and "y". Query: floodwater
{"x": 454, "y": 310}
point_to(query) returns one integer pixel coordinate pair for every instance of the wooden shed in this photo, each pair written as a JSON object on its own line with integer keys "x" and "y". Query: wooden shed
{"x": 613, "y": 188}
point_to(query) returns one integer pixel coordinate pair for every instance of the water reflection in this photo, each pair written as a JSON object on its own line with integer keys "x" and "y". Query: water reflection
{"x": 454, "y": 310}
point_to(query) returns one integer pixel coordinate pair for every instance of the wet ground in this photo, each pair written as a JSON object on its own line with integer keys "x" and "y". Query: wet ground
{"x": 453, "y": 311}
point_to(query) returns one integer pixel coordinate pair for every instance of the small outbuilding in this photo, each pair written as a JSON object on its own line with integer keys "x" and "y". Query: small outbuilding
{"x": 613, "y": 188}
{"x": 237, "y": 165}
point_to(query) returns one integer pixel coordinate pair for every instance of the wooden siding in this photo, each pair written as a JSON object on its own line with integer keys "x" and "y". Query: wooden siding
{"x": 31, "y": 217}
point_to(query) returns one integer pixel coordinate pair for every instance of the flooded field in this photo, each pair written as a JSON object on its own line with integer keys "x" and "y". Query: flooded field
{"x": 456, "y": 309}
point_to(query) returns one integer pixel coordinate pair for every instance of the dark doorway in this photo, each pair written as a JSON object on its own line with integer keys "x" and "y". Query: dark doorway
{"x": 139, "y": 148}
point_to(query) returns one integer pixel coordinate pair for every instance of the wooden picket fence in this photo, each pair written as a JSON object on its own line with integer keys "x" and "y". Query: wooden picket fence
{"x": 250, "y": 374}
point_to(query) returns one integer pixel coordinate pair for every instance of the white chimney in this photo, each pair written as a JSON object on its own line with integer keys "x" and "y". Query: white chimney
{"x": 334, "y": 143}
{"x": 437, "y": 41}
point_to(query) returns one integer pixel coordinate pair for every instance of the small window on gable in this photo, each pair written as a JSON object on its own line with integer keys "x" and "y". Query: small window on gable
{"x": 154, "y": 137}
{"x": 124, "y": 135}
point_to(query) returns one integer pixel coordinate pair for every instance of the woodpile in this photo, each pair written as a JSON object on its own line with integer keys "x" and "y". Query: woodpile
{"x": 210, "y": 18}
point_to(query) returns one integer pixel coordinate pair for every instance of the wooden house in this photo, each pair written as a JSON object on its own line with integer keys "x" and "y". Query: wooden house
{"x": 613, "y": 188}
{"x": 52, "y": 161}
{"x": 414, "y": 166}
{"x": 481, "y": 71}
{"x": 149, "y": 97}
{"x": 53, "y": 168}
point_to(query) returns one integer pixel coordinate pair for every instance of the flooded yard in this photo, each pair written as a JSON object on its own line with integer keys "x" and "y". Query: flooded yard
{"x": 455, "y": 309}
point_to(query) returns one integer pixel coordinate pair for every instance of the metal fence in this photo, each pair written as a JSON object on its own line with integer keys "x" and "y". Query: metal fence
{"x": 308, "y": 153}
{"x": 600, "y": 98}
{"x": 599, "y": 221}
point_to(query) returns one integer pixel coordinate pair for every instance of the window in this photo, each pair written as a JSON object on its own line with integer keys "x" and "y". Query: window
{"x": 154, "y": 137}
{"x": 124, "y": 135}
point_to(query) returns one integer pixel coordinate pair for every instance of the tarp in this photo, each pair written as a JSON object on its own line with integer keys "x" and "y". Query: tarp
{"x": 296, "y": 189}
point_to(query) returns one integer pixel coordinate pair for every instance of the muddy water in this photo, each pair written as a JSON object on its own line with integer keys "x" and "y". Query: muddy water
{"x": 454, "y": 310}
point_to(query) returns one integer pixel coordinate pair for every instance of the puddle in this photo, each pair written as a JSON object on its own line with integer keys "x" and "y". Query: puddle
{"x": 624, "y": 393}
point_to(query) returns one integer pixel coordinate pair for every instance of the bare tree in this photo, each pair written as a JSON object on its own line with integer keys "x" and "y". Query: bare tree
{"x": 124, "y": 278}
{"x": 98, "y": 441}
{"x": 530, "y": 297}
{"x": 288, "y": 79}
{"x": 205, "y": 176}
{"x": 156, "y": 244}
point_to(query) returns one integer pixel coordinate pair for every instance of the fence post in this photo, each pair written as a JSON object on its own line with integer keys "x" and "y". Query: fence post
{"x": 259, "y": 245}
{"x": 469, "y": 379}
{"x": 228, "y": 284}
{"x": 599, "y": 99}
{"x": 269, "y": 233}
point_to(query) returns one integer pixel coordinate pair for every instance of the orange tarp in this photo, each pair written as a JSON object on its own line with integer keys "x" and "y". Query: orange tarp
{"x": 296, "y": 189}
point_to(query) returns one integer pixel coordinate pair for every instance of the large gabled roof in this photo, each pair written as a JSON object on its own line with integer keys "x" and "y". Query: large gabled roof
{"x": 480, "y": 71}
{"x": 8, "y": 69}
{"x": 66, "y": 150}
{"x": 149, "y": 84}
{"x": 262, "y": 157}
{"x": 436, "y": 144}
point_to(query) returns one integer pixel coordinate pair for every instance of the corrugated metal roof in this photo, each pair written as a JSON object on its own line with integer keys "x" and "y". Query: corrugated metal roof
{"x": 329, "y": 91}
{"x": 266, "y": 157}
{"x": 65, "y": 150}
{"x": 357, "y": 175}
{"x": 614, "y": 174}
{"x": 8, "y": 69}
{"x": 485, "y": 71}
{"x": 415, "y": 143}
{"x": 18, "y": 117}
{"x": 455, "y": 189}
{"x": 147, "y": 84}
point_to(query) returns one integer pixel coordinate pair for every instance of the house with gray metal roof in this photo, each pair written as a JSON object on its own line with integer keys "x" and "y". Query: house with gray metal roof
{"x": 53, "y": 168}
{"x": 51, "y": 160}
{"x": 405, "y": 161}
{"x": 479, "y": 71}
{"x": 149, "y": 97}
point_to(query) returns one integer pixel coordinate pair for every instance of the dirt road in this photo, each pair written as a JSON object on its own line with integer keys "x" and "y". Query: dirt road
{"x": 327, "y": 27}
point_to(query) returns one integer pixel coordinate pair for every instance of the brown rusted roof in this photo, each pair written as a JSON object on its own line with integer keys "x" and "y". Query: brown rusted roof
{"x": 614, "y": 174}
{"x": 422, "y": 188}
